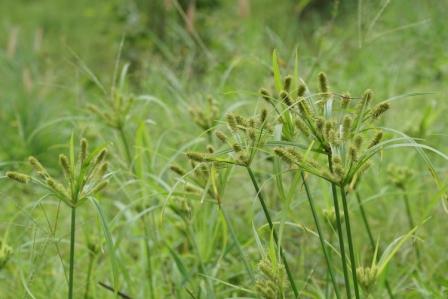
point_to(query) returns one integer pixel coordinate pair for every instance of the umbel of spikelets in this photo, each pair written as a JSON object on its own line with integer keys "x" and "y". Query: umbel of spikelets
{"x": 83, "y": 177}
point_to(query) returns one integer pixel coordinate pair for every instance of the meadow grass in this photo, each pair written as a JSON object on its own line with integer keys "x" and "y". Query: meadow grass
{"x": 311, "y": 187}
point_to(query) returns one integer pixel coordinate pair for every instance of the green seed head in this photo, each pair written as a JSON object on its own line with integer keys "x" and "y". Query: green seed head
{"x": 236, "y": 147}
{"x": 353, "y": 153}
{"x": 285, "y": 98}
{"x": 367, "y": 277}
{"x": 266, "y": 95}
{"x": 210, "y": 149}
{"x": 63, "y": 162}
{"x": 346, "y": 127}
{"x": 323, "y": 83}
{"x": 231, "y": 121}
{"x": 177, "y": 170}
{"x": 345, "y": 101}
{"x": 301, "y": 91}
{"x": 84, "y": 146}
{"x": 287, "y": 83}
{"x": 263, "y": 116}
{"x": 18, "y": 177}
{"x": 99, "y": 187}
{"x": 376, "y": 139}
{"x": 36, "y": 165}
{"x": 302, "y": 127}
{"x": 221, "y": 136}
{"x": 196, "y": 156}
{"x": 379, "y": 109}
{"x": 357, "y": 141}
{"x": 367, "y": 97}
{"x": 100, "y": 157}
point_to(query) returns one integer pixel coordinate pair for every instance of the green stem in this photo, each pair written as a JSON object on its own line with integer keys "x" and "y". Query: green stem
{"x": 126, "y": 145}
{"x": 89, "y": 275}
{"x": 340, "y": 235}
{"x": 321, "y": 237}
{"x": 274, "y": 233}
{"x": 411, "y": 226}
{"x": 149, "y": 272}
{"x": 72, "y": 253}
{"x": 372, "y": 241}
{"x": 238, "y": 246}
{"x": 350, "y": 241}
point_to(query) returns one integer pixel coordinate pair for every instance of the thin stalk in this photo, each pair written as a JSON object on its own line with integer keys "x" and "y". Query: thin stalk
{"x": 149, "y": 272}
{"x": 350, "y": 241}
{"x": 340, "y": 235}
{"x": 274, "y": 233}
{"x": 319, "y": 231}
{"x": 72, "y": 253}
{"x": 238, "y": 246}
{"x": 125, "y": 144}
{"x": 89, "y": 275}
{"x": 411, "y": 226}
{"x": 371, "y": 240}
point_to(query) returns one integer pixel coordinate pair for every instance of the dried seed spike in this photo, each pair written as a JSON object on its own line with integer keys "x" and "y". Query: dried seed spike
{"x": 287, "y": 83}
{"x": 301, "y": 91}
{"x": 177, "y": 170}
{"x": 285, "y": 98}
{"x": 196, "y": 156}
{"x": 231, "y": 121}
{"x": 323, "y": 82}
{"x": 266, "y": 95}
{"x": 379, "y": 109}
{"x": 376, "y": 139}
{"x": 18, "y": 177}
{"x": 65, "y": 165}
{"x": 221, "y": 136}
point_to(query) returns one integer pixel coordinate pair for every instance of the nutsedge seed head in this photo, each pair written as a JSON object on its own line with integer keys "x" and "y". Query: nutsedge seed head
{"x": 221, "y": 136}
{"x": 353, "y": 153}
{"x": 266, "y": 95}
{"x": 287, "y": 83}
{"x": 177, "y": 170}
{"x": 367, "y": 97}
{"x": 63, "y": 161}
{"x": 346, "y": 126}
{"x": 376, "y": 139}
{"x": 302, "y": 127}
{"x": 379, "y": 109}
{"x": 323, "y": 82}
{"x": 236, "y": 147}
{"x": 210, "y": 149}
{"x": 231, "y": 121}
{"x": 18, "y": 177}
{"x": 84, "y": 147}
{"x": 345, "y": 100}
{"x": 263, "y": 115}
{"x": 367, "y": 277}
{"x": 101, "y": 156}
{"x": 285, "y": 98}
{"x": 100, "y": 186}
{"x": 358, "y": 141}
{"x": 36, "y": 164}
{"x": 301, "y": 91}
{"x": 196, "y": 156}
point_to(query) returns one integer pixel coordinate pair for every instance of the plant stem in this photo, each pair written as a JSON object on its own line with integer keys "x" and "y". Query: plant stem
{"x": 274, "y": 233}
{"x": 350, "y": 241}
{"x": 372, "y": 241}
{"x": 149, "y": 271}
{"x": 89, "y": 274}
{"x": 238, "y": 246}
{"x": 340, "y": 235}
{"x": 319, "y": 231}
{"x": 411, "y": 226}
{"x": 72, "y": 253}
{"x": 126, "y": 145}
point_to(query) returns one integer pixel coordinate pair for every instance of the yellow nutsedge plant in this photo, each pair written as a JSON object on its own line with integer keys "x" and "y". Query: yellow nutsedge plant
{"x": 84, "y": 176}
